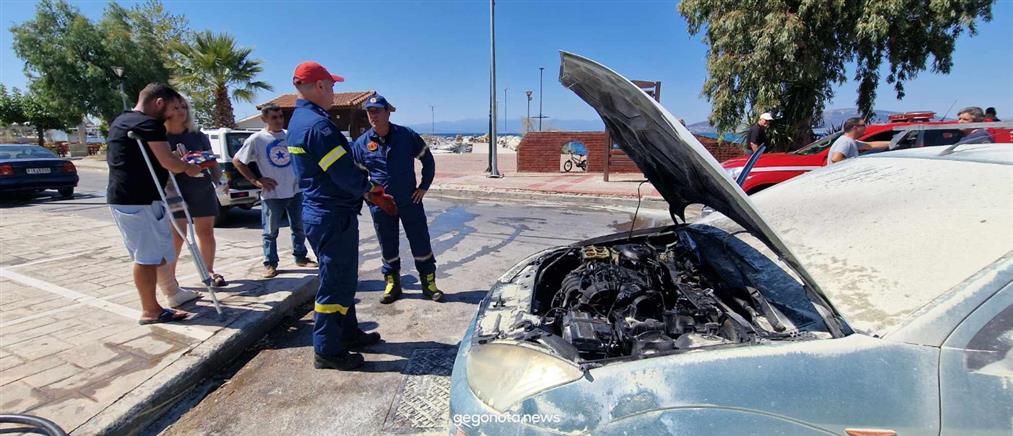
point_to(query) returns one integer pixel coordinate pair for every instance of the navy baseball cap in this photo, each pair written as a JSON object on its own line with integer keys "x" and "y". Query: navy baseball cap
{"x": 377, "y": 101}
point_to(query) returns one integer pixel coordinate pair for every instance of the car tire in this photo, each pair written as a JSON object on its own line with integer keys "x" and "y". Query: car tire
{"x": 66, "y": 192}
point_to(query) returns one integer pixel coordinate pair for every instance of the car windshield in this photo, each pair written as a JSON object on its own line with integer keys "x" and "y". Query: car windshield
{"x": 24, "y": 152}
{"x": 818, "y": 145}
{"x": 234, "y": 141}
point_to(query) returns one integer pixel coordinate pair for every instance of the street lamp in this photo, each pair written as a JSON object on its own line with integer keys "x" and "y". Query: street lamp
{"x": 541, "y": 70}
{"x": 505, "y": 110}
{"x": 527, "y": 121}
{"x": 433, "y": 110}
{"x": 493, "y": 171}
{"x": 123, "y": 95}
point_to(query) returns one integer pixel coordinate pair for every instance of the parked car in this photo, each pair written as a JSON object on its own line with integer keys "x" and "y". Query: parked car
{"x": 773, "y": 168}
{"x": 887, "y": 304}
{"x": 233, "y": 189}
{"x": 27, "y": 169}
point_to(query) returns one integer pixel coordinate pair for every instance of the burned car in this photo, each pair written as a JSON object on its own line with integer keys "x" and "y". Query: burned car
{"x": 897, "y": 317}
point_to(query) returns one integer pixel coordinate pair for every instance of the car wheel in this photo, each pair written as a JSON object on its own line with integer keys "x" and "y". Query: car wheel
{"x": 66, "y": 192}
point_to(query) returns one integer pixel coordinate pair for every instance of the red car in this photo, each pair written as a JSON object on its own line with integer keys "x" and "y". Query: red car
{"x": 773, "y": 168}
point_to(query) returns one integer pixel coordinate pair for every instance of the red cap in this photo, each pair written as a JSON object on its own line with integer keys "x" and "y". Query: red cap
{"x": 310, "y": 72}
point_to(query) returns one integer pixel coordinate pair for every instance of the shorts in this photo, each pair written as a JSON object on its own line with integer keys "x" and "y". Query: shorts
{"x": 146, "y": 232}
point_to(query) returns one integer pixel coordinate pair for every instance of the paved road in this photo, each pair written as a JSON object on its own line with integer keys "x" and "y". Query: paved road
{"x": 275, "y": 390}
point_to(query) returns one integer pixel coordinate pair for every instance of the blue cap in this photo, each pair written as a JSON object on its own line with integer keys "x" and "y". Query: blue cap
{"x": 377, "y": 101}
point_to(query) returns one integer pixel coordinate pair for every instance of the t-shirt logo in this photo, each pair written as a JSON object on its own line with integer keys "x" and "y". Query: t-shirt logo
{"x": 277, "y": 153}
{"x": 372, "y": 146}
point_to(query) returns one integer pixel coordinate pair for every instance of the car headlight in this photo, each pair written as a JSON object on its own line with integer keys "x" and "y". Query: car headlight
{"x": 734, "y": 172}
{"x": 503, "y": 374}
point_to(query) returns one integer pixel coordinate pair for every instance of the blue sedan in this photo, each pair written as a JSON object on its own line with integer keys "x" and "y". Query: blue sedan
{"x": 27, "y": 169}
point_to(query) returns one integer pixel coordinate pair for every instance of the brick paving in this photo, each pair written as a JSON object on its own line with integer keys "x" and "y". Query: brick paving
{"x": 70, "y": 345}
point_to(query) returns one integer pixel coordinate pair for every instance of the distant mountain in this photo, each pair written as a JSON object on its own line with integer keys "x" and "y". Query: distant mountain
{"x": 481, "y": 125}
{"x": 831, "y": 117}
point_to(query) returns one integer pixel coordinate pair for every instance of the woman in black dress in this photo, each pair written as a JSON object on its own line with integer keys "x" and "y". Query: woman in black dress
{"x": 199, "y": 194}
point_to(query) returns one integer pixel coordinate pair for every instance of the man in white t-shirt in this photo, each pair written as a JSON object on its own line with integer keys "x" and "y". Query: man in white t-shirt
{"x": 279, "y": 187}
{"x": 848, "y": 145}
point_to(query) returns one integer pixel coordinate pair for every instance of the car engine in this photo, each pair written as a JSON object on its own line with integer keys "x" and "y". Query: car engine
{"x": 637, "y": 299}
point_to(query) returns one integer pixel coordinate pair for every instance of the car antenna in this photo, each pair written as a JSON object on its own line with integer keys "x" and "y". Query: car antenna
{"x": 633, "y": 224}
{"x": 948, "y": 110}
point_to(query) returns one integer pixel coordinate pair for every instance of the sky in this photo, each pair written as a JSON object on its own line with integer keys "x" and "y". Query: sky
{"x": 422, "y": 53}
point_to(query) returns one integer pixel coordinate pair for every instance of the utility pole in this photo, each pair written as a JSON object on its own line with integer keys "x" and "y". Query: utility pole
{"x": 541, "y": 70}
{"x": 493, "y": 170}
{"x": 505, "y": 110}
{"x": 433, "y": 110}
{"x": 123, "y": 95}
{"x": 527, "y": 121}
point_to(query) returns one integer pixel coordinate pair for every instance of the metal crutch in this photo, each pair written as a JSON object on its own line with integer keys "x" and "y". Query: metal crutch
{"x": 189, "y": 239}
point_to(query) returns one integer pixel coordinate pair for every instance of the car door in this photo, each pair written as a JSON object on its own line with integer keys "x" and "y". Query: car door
{"x": 976, "y": 369}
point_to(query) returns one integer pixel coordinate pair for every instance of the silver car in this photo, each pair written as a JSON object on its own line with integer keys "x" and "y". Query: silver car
{"x": 871, "y": 297}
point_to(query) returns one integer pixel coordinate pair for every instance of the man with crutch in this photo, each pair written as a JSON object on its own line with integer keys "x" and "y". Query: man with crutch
{"x": 134, "y": 198}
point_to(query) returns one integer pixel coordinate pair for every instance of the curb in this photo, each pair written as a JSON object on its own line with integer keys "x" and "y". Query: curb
{"x": 556, "y": 198}
{"x": 143, "y": 405}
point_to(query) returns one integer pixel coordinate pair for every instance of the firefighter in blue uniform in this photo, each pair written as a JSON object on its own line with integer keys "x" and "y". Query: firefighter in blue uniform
{"x": 331, "y": 207}
{"x": 389, "y": 151}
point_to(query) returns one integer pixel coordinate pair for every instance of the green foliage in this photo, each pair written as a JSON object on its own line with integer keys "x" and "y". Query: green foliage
{"x": 69, "y": 59}
{"x": 213, "y": 70}
{"x": 786, "y": 56}
{"x": 16, "y": 107}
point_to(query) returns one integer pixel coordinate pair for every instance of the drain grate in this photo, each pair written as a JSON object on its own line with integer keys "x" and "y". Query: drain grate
{"x": 422, "y": 401}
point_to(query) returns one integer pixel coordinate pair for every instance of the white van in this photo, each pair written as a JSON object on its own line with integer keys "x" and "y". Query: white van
{"x": 233, "y": 189}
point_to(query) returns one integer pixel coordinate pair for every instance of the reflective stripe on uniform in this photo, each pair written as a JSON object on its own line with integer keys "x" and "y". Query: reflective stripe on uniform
{"x": 297, "y": 150}
{"x": 396, "y": 259}
{"x": 332, "y": 157}
{"x": 423, "y": 152}
{"x": 329, "y": 308}
{"x": 423, "y": 258}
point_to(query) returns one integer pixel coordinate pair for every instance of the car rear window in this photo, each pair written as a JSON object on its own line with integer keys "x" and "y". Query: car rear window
{"x": 941, "y": 137}
{"x": 234, "y": 141}
{"x": 24, "y": 152}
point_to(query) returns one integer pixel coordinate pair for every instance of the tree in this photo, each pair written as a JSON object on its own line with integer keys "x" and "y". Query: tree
{"x": 212, "y": 70}
{"x": 69, "y": 59}
{"x": 27, "y": 108}
{"x": 787, "y": 55}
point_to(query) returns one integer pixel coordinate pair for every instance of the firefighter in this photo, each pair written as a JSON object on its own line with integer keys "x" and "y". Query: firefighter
{"x": 331, "y": 206}
{"x": 389, "y": 152}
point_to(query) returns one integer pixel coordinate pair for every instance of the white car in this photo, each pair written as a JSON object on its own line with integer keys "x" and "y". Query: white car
{"x": 233, "y": 189}
{"x": 872, "y": 297}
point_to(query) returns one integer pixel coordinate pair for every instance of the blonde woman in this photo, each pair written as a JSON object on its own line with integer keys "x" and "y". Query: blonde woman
{"x": 199, "y": 194}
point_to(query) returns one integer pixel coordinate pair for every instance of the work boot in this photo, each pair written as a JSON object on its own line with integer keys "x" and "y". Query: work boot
{"x": 341, "y": 362}
{"x": 306, "y": 263}
{"x": 270, "y": 271}
{"x": 393, "y": 289}
{"x": 362, "y": 339}
{"x": 429, "y": 289}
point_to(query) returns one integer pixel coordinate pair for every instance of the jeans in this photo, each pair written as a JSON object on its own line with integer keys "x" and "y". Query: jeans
{"x": 271, "y": 212}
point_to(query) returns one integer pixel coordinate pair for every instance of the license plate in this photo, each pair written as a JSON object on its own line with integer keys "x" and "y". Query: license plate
{"x": 38, "y": 170}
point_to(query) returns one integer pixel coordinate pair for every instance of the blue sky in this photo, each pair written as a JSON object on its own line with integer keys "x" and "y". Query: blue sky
{"x": 421, "y": 53}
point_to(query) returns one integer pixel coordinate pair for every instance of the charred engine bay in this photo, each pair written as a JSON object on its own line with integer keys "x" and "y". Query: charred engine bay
{"x": 645, "y": 297}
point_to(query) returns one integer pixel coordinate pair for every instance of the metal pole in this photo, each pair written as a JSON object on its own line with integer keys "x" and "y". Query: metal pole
{"x": 527, "y": 121}
{"x": 123, "y": 95}
{"x": 433, "y": 110}
{"x": 493, "y": 171}
{"x": 541, "y": 70}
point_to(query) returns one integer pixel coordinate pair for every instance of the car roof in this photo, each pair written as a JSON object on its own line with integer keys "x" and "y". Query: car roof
{"x": 885, "y": 235}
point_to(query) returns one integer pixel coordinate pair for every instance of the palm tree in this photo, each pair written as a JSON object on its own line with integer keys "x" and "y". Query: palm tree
{"x": 211, "y": 65}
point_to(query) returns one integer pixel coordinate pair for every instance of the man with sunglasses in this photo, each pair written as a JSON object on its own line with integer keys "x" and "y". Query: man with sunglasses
{"x": 848, "y": 145}
{"x": 279, "y": 187}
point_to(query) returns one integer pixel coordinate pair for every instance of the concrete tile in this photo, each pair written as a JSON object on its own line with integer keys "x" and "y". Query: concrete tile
{"x": 69, "y": 412}
{"x": 46, "y": 328}
{"x": 151, "y": 345}
{"x": 20, "y": 397}
{"x": 10, "y": 361}
{"x": 29, "y": 368}
{"x": 88, "y": 355}
{"x": 39, "y": 347}
{"x": 127, "y": 335}
{"x": 52, "y": 375}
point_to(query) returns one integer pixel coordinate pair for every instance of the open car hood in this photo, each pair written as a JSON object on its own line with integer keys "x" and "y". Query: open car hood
{"x": 680, "y": 168}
